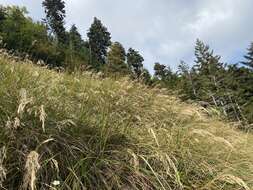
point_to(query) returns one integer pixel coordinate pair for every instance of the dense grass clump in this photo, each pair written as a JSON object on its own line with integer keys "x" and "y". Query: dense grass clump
{"x": 78, "y": 131}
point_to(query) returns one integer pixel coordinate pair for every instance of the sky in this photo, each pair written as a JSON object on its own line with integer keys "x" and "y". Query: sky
{"x": 163, "y": 31}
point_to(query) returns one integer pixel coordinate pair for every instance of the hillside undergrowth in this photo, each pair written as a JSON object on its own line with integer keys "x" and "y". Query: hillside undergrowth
{"x": 79, "y": 131}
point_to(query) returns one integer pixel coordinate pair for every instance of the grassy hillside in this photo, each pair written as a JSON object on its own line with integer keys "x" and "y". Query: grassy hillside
{"x": 61, "y": 131}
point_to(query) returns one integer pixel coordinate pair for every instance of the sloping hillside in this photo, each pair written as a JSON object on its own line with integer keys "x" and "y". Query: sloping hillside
{"x": 61, "y": 131}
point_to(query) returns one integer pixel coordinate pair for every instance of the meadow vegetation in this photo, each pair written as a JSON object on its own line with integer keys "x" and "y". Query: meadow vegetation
{"x": 209, "y": 80}
{"x": 80, "y": 131}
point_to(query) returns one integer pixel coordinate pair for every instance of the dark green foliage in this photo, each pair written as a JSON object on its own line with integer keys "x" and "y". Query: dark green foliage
{"x": 249, "y": 57}
{"x": 77, "y": 55}
{"x": 25, "y": 37}
{"x": 209, "y": 82}
{"x": 75, "y": 39}
{"x": 22, "y": 35}
{"x": 165, "y": 76}
{"x": 209, "y": 72}
{"x": 55, "y": 15}
{"x": 99, "y": 41}
{"x": 2, "y": 13}
{"x": 135, "y": 62}
{"x": 116, "y": 60}
{"x": 212, "y": 83}
{"x": 228, "y": 88}
{"x": 186, "y": 84}
{"x": 146, "y": 77}
{"x": 14, "y": 26}
{"x": 239, "y": 81}
{"x": 160, "y": 70}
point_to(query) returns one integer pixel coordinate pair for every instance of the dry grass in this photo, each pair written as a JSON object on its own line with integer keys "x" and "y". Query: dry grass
{"x": 78, "y": 131}
{"x": 31, "y": 168}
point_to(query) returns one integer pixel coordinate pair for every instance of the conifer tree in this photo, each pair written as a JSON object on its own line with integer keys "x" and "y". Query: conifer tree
{"x": 249, "y": 57}
{"x": 99, "y": 40}
{"x": 239, "y": 82}
{"x": 116, "y": 59}
{"x": 213, "y": 82}
{"x": 135, "y": 62}
{"x": 205, "y": 60}
{"x": 55, "y": 15}
{"x": 207, "y": 72}
{"x": 75, "y": 38}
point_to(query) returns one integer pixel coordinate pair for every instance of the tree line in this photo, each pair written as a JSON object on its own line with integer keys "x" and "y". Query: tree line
{"x": 228, "y": 87}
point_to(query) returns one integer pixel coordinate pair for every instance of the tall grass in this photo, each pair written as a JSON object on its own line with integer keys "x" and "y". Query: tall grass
{"x": 78, "y": 131}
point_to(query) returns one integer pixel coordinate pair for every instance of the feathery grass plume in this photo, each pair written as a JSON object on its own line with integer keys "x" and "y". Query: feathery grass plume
{"x": 31, "y": 168}
{"x": 24, "y": 100}
{"x": 134, "y": 161}
{"x": 8, "y": 124}
{"x": 16, "y": 123}
{"x": 234, "y": 180}
{"x": 13, "y": 125}
{"x": 204, "y": 133}
{"x": 151, "y": 131}
{"x": 43, "y": 116}
{"x": 55, "y": 165}
{"x": 171, "y": 164}
{"x": 230, "y": 179}
{"x": 107, "y": 134}
{"x": 2, "y": 168}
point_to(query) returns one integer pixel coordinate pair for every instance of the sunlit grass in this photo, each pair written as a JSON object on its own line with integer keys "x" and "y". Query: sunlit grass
{"x": 78, "y": 131}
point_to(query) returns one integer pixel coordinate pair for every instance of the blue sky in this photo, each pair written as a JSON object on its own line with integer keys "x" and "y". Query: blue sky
{"x": 164, "y": 30}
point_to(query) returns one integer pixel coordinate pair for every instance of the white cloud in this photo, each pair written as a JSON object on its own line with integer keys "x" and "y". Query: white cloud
{"x": 165, "y": 30}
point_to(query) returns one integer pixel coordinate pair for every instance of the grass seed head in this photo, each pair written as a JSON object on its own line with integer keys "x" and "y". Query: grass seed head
{"x": 31, "y": 168}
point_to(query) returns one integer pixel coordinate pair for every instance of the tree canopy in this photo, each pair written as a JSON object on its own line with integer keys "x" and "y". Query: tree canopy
{"x": 99, "y": 40}
{"x": 55, "y": 15}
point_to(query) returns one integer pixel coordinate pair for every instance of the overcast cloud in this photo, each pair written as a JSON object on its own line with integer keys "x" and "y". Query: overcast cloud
{"x": 164, "y": 30}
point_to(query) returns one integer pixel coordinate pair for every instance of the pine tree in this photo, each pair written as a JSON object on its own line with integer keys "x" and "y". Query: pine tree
{"x": 116, "y": 60}
{"x": 135, "y": 62}
{"x": 75, "y": 39}
{"x": 249, "y": 57}
{"x": 205, "y": 60}
{"x": 99, "y": 40}
{"x": 239, "y": 82}
{"x": 213, "y": 82}
{"x": 207, "y": 72}
{"x": 55, "y": 15}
